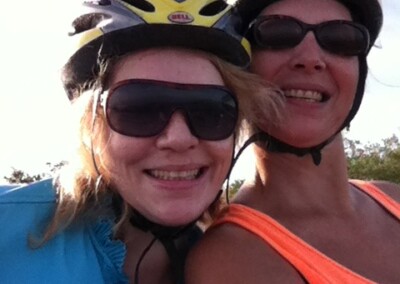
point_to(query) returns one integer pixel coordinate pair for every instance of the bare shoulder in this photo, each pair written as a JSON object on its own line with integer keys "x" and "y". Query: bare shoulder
{"x": 207, "y": 261}
{"x": 391, "y": 189}
{"x": 229, "y": 254}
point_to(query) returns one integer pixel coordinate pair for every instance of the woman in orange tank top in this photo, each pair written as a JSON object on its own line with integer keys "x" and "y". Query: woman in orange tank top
{"x": 301, "y": 220}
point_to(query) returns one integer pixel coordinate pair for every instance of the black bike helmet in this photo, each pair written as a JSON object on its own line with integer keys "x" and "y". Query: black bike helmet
{"x": 366, "y": 12}
{"x": 104, "y": 28}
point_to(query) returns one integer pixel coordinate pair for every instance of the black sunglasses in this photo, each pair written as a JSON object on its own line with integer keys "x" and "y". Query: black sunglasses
{"x": 143, "y": 108}
{"x": 281, "y": 32}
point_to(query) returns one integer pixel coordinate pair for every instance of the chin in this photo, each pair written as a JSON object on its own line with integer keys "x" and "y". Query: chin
{"x": 175, "y": 219}
{"x": 303, "y": 139}
{"x": 174, "y": 223}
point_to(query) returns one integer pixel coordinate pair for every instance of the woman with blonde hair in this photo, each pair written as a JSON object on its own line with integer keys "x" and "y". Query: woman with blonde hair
{"x": 156, "y": 86}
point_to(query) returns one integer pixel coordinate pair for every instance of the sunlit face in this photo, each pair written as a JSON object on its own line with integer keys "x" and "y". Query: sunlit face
{"x": 319, "y": 86}
{"x": 173, "y": 177}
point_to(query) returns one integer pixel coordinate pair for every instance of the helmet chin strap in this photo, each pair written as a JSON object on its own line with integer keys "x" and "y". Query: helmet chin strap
{"x": 275, "y": 145}
{"x": 271, "y": 144}
{"x": 165, "y": 234}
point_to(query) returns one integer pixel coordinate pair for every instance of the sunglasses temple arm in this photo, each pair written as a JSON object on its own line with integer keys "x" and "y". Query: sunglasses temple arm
{"x": 255, "y": 137}
{"x": 96, "y": 99}
{"x": 235, "y": 158}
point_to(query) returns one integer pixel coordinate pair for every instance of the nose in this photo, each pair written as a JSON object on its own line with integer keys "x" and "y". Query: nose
{"x": 177, "y": 135}
{"x": 308, "y": 55}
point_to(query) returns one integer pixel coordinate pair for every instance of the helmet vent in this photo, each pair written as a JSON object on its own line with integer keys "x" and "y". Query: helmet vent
{"x": 98, "y": 2}
{"x": 141, "y": 4}
{"x": 213, "y": 8}
{"x": 87, "y": 22}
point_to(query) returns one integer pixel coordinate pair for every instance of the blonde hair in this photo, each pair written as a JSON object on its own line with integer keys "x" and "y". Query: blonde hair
{"x": 83, "y": 185}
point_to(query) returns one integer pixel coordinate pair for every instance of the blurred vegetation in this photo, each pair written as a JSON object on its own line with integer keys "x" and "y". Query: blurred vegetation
{"x": 371, "y": 161}
{"x": 20, "y": 177}
{"x": 377, "y": 161}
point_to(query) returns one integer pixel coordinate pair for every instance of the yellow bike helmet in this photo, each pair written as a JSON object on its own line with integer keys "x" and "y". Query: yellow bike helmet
{"x": 105, "y": 28}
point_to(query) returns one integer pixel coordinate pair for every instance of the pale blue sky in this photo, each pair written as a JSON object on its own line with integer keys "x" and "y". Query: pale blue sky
{"x": 34, "y": 110}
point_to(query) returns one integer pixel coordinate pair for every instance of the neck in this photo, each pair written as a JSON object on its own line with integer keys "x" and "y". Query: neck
{"x": 155, "y": 266}
{"x": 297, "y": 184}
{"x": 302, "y": 169}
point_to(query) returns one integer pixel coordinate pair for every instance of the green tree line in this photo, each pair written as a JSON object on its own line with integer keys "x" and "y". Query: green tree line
{"x": 372, "y": 161}
{"x": 378, "y": 161}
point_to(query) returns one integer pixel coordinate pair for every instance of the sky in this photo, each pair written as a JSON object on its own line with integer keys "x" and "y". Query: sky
{"x": 34, "y": 111}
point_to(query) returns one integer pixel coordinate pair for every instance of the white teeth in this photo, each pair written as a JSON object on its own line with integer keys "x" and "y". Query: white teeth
{"x": 309, "y": 96}
{"x": 175, "y": 175}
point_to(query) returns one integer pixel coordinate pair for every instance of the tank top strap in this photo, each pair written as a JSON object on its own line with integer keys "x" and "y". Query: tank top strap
{"x": 315, "y": 267}
{"x": 378, "y": 195}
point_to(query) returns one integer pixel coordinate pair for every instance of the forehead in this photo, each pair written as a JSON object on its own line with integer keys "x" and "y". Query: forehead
{"x": 310, "y": 11}
{"x": 168, "y": 64}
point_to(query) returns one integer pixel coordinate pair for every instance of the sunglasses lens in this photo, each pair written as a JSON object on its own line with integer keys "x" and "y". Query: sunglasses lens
{"x": 142, "y": 108}
{"x": 134, "y": 114}
{"x": 339, "y": 37}
{"x": 214, "y": 119}
{"x": 343, "y": 38}
{"x": 276, "y": 33}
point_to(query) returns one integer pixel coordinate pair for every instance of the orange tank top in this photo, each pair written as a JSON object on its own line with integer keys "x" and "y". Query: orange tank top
{"x": 312, "y": 264}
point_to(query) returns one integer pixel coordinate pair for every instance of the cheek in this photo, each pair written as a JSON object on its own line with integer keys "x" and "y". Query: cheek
{"x": 221, "y": 152}
{"x": 259, "y": 65}
{"x": 122, "y": 150}
{"x": 347, "y": 76}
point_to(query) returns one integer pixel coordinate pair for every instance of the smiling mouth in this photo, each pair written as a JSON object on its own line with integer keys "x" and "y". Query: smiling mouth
{"x": 308, "y": 96}
{"x": 175, "y": 175}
